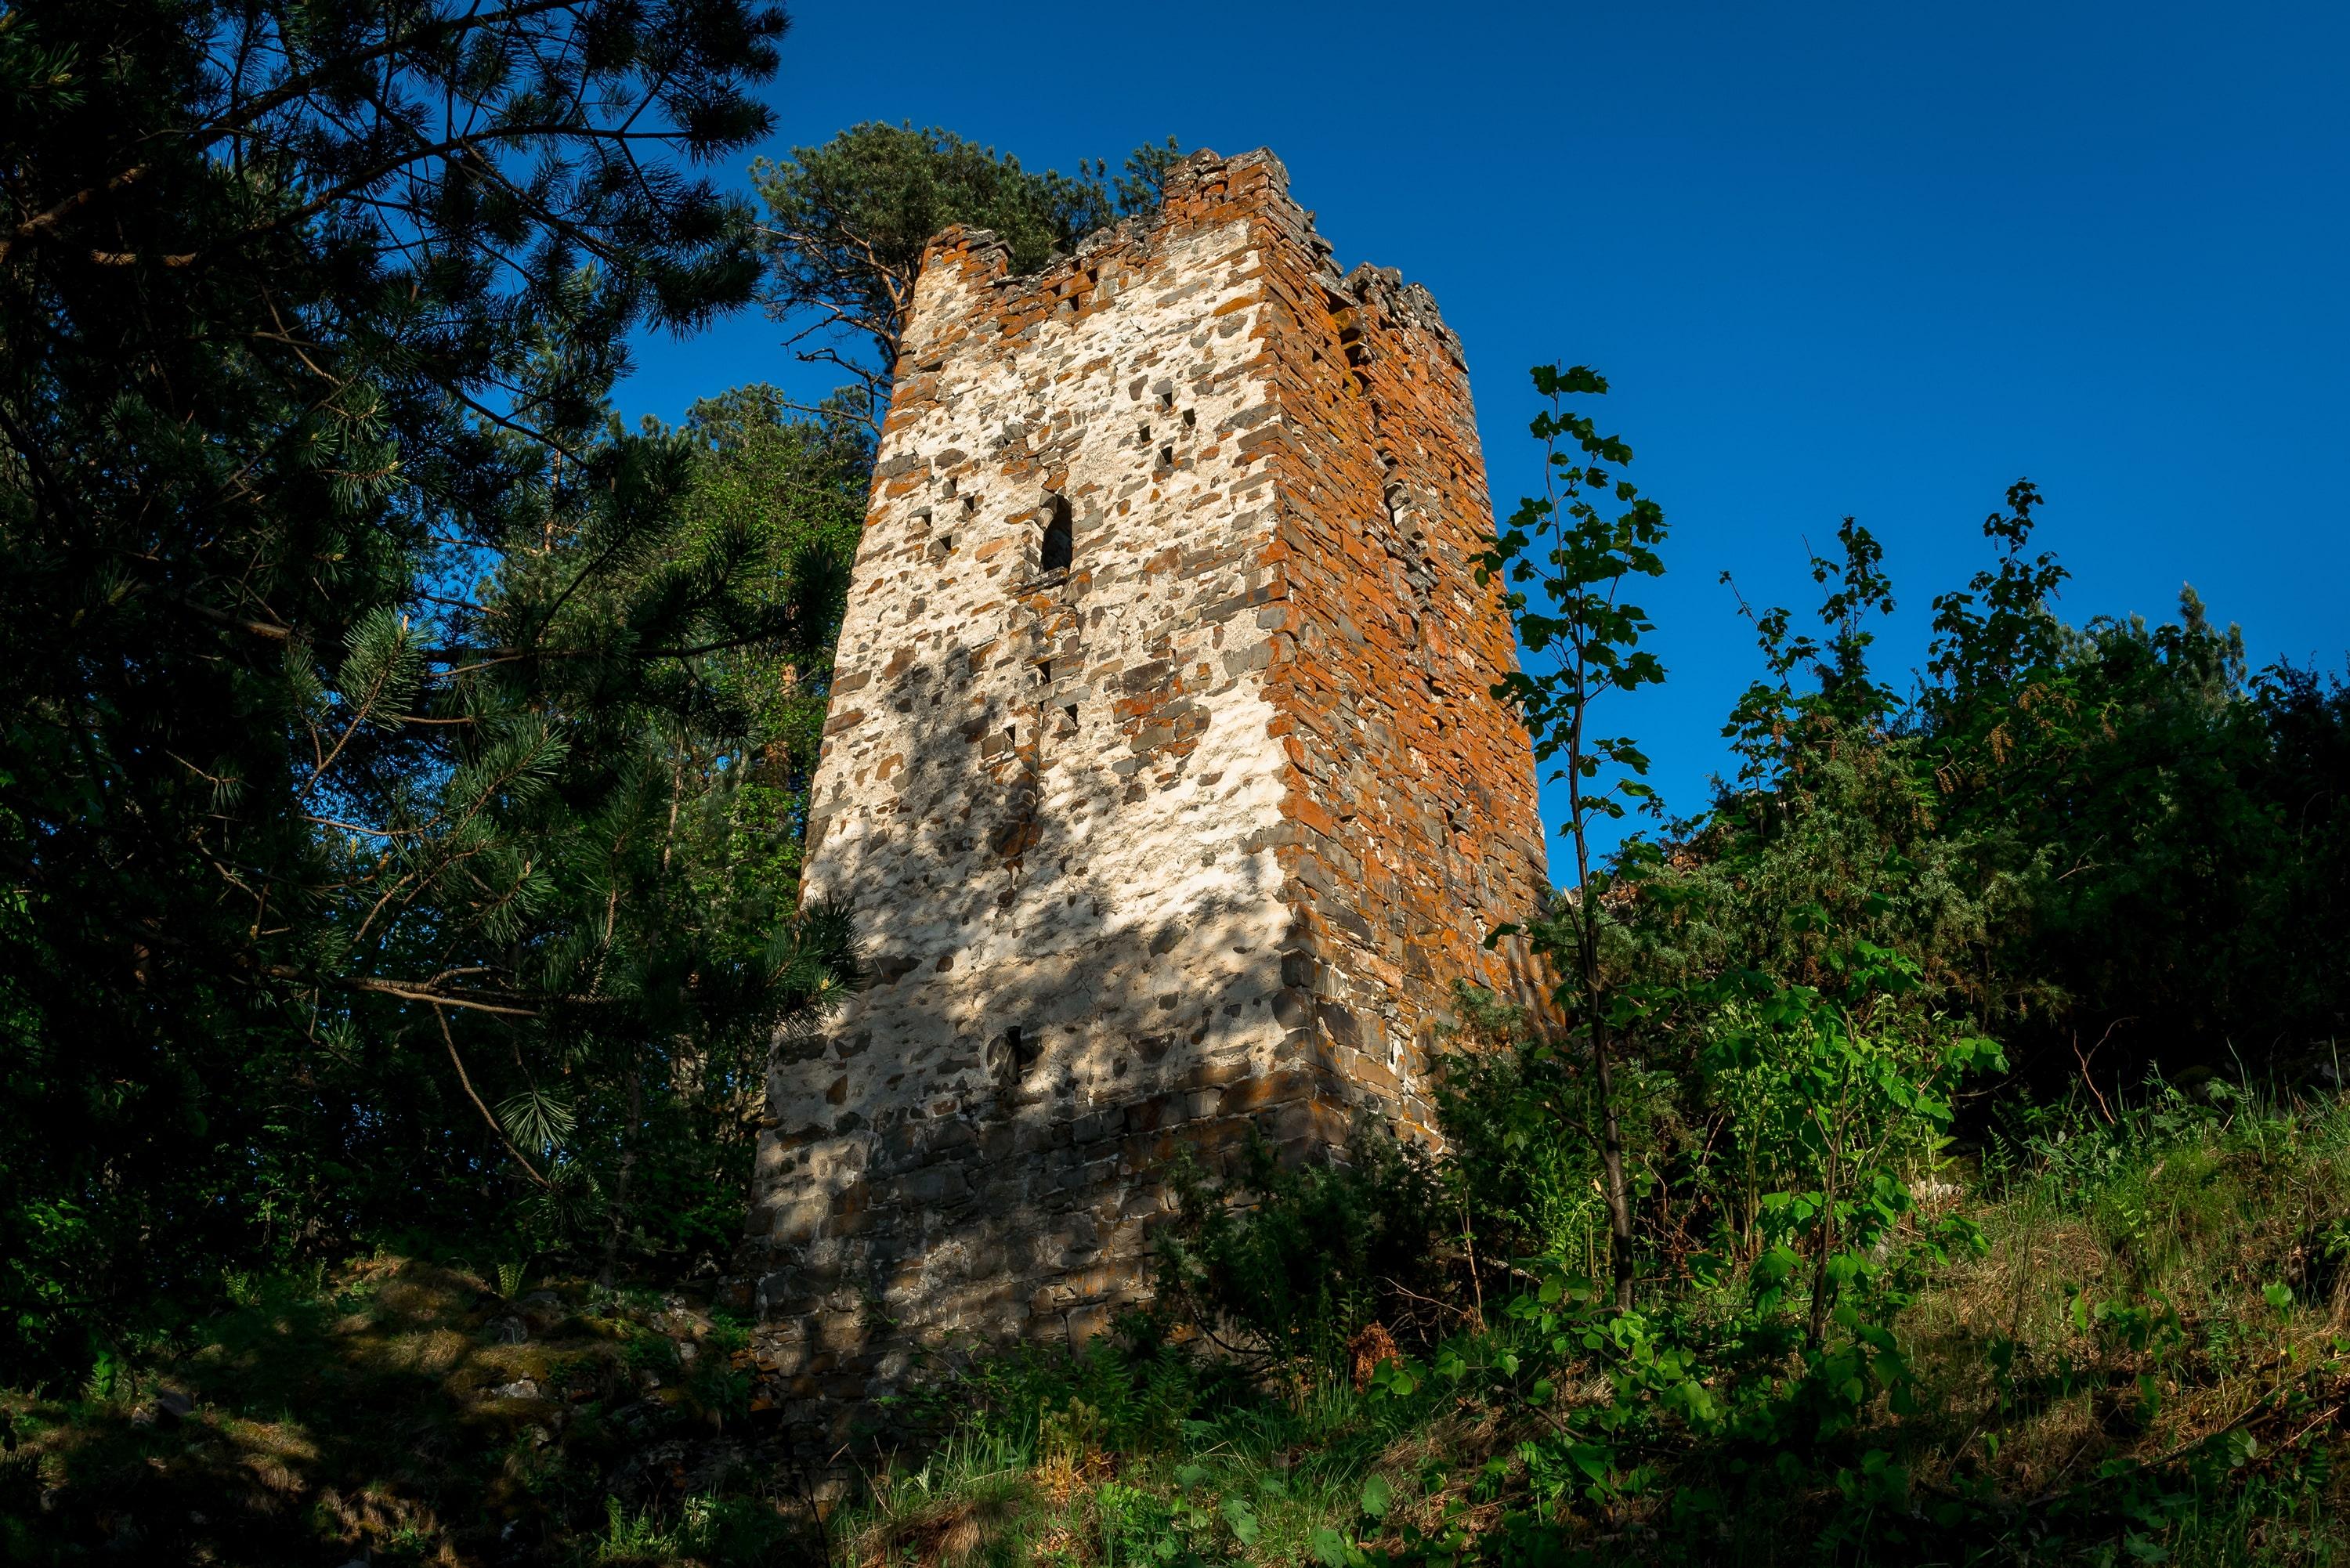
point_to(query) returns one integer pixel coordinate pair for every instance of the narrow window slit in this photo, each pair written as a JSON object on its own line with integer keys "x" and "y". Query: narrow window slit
{"x": 1060, "y": 544}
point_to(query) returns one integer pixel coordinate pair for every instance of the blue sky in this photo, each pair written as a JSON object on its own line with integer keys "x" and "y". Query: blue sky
{"x": 1872, "y": 259}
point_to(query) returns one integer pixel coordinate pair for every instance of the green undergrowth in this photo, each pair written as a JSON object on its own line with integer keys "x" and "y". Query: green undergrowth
{"x": 398, "y": 1411}
{"x": 2146, "y": 1360}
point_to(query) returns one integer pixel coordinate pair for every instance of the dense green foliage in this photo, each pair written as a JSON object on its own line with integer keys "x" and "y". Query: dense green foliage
{"x": 362, "y": 687}
{"x": 1296, "y": 1258}
{"x": 2111, "y": 838}
{"x": 2144, "y": 1362}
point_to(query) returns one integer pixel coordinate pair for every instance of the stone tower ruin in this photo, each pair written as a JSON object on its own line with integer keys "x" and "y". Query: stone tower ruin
{"x": 1160, "y": 774}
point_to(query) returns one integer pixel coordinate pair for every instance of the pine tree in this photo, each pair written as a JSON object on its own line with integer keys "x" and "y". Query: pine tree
{"x": 348, "y": 654}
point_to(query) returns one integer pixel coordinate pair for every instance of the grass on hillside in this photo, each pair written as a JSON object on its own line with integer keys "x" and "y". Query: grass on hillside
{"x": 402, "y": 1412}
{"x": 2150, "y": 1363}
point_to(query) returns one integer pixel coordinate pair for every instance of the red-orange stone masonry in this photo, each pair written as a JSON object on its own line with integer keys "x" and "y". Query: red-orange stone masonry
{"x": 1187, "y": 836}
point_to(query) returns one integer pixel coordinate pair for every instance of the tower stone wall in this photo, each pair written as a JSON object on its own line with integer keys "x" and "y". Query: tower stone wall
{"x": 1187, "y": 836}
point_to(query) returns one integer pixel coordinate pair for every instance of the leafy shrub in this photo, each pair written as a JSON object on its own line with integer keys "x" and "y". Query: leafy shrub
{"x": 1295, "y": 1258}
{"x": 1518, "y": 1110}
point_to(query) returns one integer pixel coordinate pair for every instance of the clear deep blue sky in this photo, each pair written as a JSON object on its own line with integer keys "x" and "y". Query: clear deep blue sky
{"x": 1874, "y": 259}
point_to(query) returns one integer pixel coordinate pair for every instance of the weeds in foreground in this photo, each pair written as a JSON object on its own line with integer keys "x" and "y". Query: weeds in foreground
{"x": 2146, "y": 1364}
{"x": 2146, "y": 1361}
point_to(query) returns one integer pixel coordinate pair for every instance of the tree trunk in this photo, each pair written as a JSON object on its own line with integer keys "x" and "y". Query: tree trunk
{"x": 1611, "y": 1167}
{"x": 627, "y": 1168}
{"x": 1611, "y": 1138}
{"x": 1816, "y": 1330}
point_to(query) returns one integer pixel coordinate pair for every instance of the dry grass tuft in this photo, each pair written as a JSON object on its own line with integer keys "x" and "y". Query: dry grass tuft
{"x": 1371, "y": 1348}
{"x": 947, "y": 1533}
